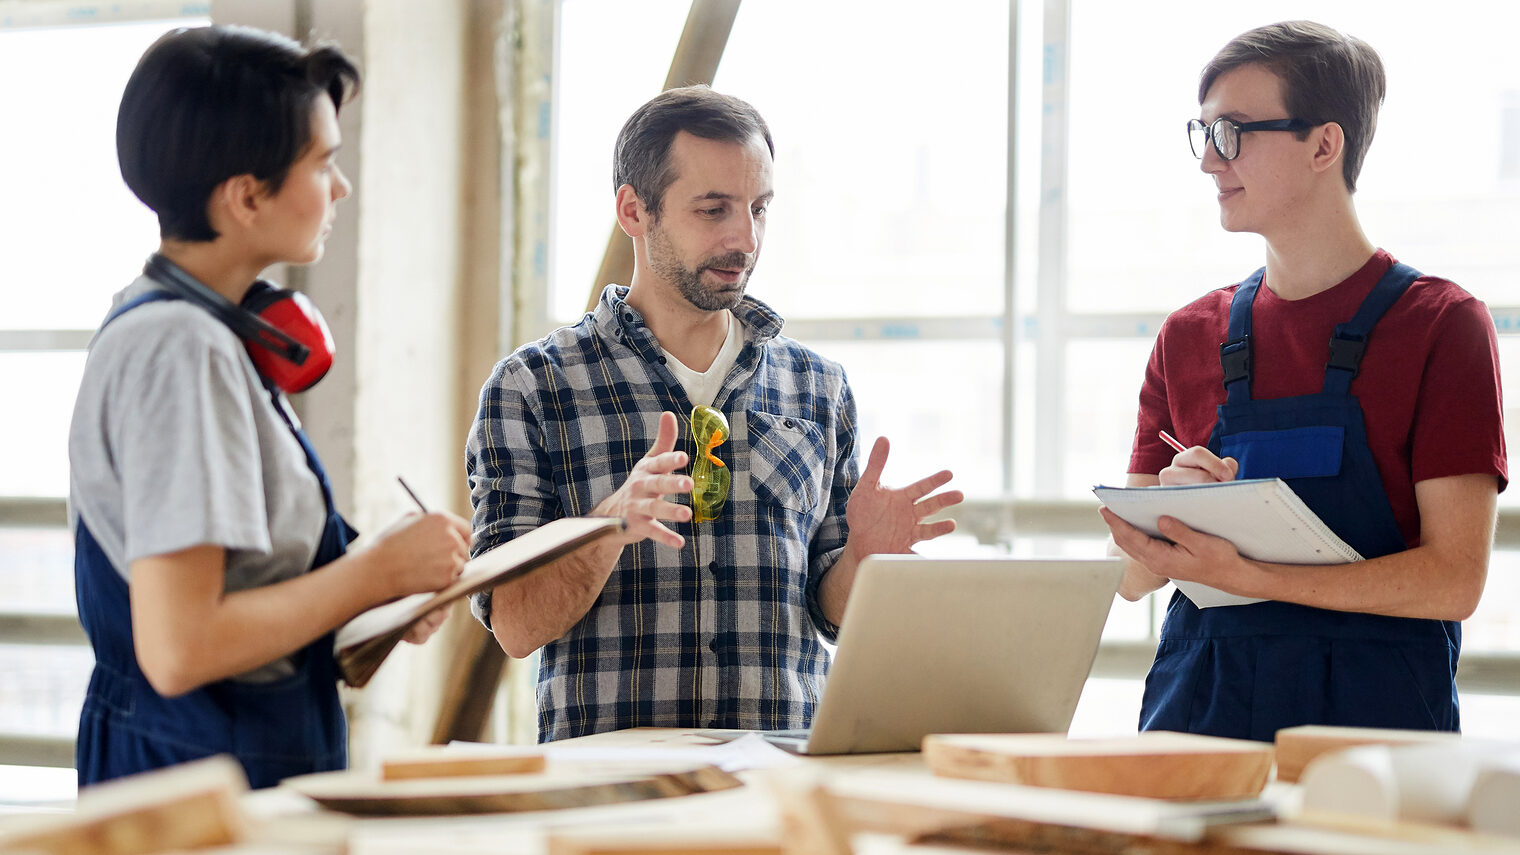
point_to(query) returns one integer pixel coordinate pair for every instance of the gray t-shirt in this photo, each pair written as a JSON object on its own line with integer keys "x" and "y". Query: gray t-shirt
{"x": 175, "y": 443}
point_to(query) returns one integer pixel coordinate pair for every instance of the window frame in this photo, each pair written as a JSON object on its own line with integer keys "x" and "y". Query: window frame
{"x": 57, "y": 630}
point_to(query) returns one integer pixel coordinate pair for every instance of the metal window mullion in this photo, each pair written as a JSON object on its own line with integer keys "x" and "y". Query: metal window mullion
{"x": 525, "y": 314}
{"x": 44, "y": 341}
{"x": 1010, "y": 252}
{"x": 1050, "y": 346}
{"x": 27, "y": 14}
{"x": 964, "y": 328}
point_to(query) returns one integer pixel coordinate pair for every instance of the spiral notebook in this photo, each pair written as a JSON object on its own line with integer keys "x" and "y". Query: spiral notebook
{"x": 1263, "y": 517}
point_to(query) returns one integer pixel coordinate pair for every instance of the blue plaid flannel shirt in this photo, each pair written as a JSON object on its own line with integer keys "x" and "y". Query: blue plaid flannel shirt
{"x": 724, "y": 632}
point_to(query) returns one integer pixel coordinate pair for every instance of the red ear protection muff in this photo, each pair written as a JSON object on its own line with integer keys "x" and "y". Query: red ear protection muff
{"x": 294, "y": 315}
{"x": 286, "y": 337}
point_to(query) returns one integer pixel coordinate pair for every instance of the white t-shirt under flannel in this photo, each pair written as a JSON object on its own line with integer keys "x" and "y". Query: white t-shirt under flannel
{"x": 725, "y": 632}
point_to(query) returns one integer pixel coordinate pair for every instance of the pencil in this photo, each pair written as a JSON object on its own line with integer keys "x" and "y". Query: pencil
{"x": 1172, "y": 441}
{"x": 411, "y": 493}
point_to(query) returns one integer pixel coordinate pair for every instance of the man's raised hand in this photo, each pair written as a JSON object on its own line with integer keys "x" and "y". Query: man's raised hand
{"x": 641, "y": 500}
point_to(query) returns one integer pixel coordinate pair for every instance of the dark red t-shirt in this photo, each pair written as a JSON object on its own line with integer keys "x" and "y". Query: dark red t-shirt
{"x": 1428, "y": 386}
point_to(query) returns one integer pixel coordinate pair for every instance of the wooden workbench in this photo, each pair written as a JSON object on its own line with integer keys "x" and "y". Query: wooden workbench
{"x": 877, "y": 803}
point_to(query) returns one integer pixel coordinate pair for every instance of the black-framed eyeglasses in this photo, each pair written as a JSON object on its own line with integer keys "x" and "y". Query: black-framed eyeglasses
{"x": 1225, "y": 134}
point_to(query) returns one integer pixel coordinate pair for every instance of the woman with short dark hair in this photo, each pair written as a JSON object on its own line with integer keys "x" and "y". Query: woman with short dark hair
{"x": 211, "y": 567}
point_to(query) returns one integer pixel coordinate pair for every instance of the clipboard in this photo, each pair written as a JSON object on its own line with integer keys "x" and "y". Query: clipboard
{"x": 364, "y": 642}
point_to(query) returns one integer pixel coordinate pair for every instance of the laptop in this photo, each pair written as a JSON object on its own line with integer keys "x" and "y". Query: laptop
{"x": 977, "y": 645}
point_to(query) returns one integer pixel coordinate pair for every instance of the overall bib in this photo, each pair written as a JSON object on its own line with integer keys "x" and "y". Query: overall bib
{"x": 291, "y": 726}
{"x": 1247, "y": 671}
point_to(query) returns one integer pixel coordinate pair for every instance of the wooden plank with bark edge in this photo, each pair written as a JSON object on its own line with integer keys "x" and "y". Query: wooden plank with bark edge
{"x": 365, "y": 794}
{"x": 1296, "y": 746}
{"x": 1155, "y": 764}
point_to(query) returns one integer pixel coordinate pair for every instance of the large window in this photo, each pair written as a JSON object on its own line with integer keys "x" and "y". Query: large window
{"x": 992, "y": 321}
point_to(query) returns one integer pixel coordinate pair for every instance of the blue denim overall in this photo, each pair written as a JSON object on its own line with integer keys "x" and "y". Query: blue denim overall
{"x": 1247, "y": 671}
{"x": 290, "y": 726}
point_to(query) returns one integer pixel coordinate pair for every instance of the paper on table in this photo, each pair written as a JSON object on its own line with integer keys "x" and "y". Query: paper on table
{"x": 1263, "y": 517}
{"x": 363, "y": 643}
{"x": 749, "y": 751}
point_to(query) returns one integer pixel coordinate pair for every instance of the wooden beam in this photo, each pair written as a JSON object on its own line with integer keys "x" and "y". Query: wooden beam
{"x": 474, "y": 672}
{"x": 708, "y": 25}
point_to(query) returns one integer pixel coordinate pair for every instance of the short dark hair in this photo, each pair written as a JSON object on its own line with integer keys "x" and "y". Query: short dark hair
{"x": 641, "y": 158}
{"x": 1326, "y": 76}
{"x": 208, "y": 103}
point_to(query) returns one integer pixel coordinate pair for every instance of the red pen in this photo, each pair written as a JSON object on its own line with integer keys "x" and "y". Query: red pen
{"x": 1172, "y": 441}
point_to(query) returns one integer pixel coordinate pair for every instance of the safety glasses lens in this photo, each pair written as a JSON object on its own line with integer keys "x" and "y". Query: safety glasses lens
{"x": 709, "y": 474}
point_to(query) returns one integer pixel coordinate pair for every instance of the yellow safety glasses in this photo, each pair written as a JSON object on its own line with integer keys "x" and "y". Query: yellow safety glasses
{"x": 709, "y": 476}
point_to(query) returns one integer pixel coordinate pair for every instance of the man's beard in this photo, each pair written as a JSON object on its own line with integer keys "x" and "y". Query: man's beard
{"x": 663, "y": 260}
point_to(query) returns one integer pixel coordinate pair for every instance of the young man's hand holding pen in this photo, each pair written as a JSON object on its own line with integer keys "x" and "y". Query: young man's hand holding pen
{"x": 1196, "y": 465}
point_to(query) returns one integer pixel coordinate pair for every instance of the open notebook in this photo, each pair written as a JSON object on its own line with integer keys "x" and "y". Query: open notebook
{"x": 364, "y": 642}
{"x": 1263, "y": 517}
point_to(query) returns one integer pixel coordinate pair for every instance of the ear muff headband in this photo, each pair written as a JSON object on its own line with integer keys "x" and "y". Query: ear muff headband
{"x": 286, "y": 337}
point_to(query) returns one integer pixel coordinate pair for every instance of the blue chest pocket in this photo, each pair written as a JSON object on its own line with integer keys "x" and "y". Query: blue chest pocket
{"x": 1304, "y": 452}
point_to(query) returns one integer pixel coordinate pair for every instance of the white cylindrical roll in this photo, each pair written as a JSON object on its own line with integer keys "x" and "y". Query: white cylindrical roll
{"x": 1358, "y": 781}
{"x": 1450, "y": 783}
{"x": 1434, "y": 780}
{"x": 1494, "y": 807}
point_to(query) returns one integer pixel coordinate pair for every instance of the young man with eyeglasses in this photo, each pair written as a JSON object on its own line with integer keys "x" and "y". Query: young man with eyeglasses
{"x": 1372, "y": 389}
{"x": 713, "y": 621}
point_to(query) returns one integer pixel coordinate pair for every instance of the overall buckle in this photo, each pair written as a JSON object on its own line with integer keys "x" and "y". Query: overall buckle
{"x": 1235, "y": 358}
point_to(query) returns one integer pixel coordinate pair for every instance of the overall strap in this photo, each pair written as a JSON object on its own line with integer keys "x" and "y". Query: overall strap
{"x": 337, "y": 534}
{"x": 312, "y": 461}
{"x": 141, "y": 299}
{"x": 1349, "y": 340}
{"x": 1235, "y": 354}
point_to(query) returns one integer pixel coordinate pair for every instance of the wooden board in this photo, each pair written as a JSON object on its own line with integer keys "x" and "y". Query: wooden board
{"x": 191, "y": 806}
{"x": 1254, "y": 840}
{"x": 441, "y": 762}
{"x": 812, "y": 821}
{"x": 1036, "y": 819}
{"x": 1156, "y": 764}
{"x": 1385, "y": 834}
{"x": 1296, "y": 746}
{"x": 910, "y": 804}
{"x": 624, "y": 840}
{"x": 365, "y": 794}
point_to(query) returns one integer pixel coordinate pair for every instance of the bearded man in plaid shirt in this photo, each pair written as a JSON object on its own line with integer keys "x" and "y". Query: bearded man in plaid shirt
{"x": 718, "y": 620}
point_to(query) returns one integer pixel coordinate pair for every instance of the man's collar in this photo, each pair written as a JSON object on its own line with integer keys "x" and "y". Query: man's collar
{"x": 614, "y": 316}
